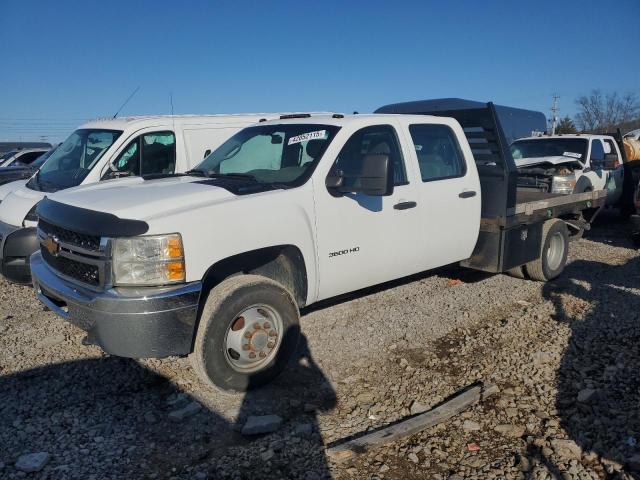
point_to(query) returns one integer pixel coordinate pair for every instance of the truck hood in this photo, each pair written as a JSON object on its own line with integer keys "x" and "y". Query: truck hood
{"x": 145, "y": 199}
{"x": 559, "y": 160}
{"x": 17, "y": 200}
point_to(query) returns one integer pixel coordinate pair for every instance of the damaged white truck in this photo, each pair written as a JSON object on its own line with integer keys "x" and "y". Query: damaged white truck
{"x": 216, "y": 263}
{"x": 572, "y": 163}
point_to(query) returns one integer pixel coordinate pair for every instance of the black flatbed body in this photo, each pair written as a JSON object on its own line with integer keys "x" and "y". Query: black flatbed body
{"x": 511, "y": 218}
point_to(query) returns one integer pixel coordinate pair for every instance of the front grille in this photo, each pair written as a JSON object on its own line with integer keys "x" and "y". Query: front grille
{"x": 88, "y": 242}
{"x": 83, "y": 272}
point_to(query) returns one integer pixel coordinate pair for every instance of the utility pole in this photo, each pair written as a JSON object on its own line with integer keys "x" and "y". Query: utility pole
{"x": 554, "y": 114}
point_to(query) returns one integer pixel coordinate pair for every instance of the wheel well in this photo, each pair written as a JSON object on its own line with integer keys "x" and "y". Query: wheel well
{"x": 283, "y": 264}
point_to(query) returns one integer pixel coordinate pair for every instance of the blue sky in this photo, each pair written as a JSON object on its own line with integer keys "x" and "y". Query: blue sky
{"x": 62, "y": 62}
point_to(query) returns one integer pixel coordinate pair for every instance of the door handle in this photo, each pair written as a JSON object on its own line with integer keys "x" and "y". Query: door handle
{"x": 405, "y": 205}
{"x": 467, "y": 194}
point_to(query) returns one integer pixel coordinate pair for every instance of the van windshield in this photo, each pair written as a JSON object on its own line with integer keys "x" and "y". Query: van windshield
{"x": 285, "y": 154}
{"x": 73, "y": 159}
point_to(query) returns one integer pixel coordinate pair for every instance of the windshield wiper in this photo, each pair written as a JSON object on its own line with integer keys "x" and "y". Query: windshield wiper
{"x": 235, "y": 176}
{"x": 199, "y": 173}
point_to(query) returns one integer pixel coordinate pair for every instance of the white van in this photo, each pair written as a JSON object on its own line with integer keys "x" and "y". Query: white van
{"x": 100, "y": 150}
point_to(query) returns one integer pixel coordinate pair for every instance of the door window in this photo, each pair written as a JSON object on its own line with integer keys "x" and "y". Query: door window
{"x": 438, "y": 152}
{"x": 149, "y": 154}
{"x": 374, "y": 140}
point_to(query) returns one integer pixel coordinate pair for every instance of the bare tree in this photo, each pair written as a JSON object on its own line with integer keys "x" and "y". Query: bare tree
{"x": 602, "y": 112}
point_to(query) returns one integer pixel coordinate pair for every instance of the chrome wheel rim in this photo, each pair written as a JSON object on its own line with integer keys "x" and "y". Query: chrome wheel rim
{"x": 253, "y": 338}
{"x": 555, "y": 253}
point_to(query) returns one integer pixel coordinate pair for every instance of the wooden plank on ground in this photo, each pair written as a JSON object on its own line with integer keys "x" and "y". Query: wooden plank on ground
{"x": 411, "y": 425}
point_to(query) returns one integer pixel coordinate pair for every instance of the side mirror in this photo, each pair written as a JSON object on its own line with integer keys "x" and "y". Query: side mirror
{"x": 377, "y": 175}
{"x": 207, "y": 152}
{"x": 610, "y": 161}
{"x": 374, "y": 179}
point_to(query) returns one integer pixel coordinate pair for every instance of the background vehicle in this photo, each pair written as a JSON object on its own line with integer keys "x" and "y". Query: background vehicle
{"x": 19, "y": 172}
{"x": 106, "y": 150}
{"x": 7, "y": 146}
{"x": 18, "y": 158}
{"x": 286, "y": 213}
{"x": 570, "y": 164}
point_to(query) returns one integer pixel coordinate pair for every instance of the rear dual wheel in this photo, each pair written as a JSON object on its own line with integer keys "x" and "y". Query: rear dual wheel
{"x": 553, "y": 252}
{"x": 248, "y": 332}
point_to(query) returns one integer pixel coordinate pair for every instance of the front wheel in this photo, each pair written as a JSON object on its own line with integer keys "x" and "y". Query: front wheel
{"x": 553, "y": 253}
{"x": 248, "y": 332}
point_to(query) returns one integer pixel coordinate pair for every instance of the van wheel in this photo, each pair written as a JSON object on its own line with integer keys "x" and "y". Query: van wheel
{"x": 553, "y": 254}
{"x": 248, "y": 332}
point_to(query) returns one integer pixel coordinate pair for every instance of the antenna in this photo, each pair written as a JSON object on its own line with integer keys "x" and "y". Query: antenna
{"x": 554, "y": 113}
{"x": 126, "y": 101}
{"x": 173, "y": 120}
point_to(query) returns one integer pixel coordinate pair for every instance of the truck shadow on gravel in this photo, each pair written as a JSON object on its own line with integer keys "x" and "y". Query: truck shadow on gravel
{"x": 112, "y": 418}
{"x": 598, "y": 399}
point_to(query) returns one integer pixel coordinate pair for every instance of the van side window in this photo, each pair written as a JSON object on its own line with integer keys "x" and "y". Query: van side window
{"x": 438, "y": 152}
{"x": 148, "y": 154}
{"x": 597, "y": 150}
{"x": 158, "y": 153}
{"x": 373, "y": 140}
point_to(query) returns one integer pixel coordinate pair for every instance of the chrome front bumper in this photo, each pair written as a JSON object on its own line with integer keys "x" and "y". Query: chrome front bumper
{"x": 152, "y": 322}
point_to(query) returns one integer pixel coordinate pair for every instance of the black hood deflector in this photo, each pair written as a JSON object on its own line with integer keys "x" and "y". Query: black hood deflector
{"x": 89, "y": 222}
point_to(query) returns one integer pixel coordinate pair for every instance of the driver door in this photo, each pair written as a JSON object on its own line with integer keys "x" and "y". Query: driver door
{"x": 365, "y": 240}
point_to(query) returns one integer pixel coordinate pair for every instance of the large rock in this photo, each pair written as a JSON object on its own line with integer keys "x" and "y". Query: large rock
{"x": 566, "y": 449}
{"x": 470, "y": 426}
{"x": 417, "y": 407}
{"x": 514, "y": 431}
{"x": 32, "y": 462}
{"x": 587, "y": 395}
{"x": 185, "y": 412}
{"x": 258, "y": 424}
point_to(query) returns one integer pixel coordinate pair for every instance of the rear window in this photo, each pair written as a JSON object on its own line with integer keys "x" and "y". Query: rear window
{"x": 438, "y": 152}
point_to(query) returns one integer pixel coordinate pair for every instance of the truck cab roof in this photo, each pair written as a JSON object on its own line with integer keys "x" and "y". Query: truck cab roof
{"x": 342, "y": 120}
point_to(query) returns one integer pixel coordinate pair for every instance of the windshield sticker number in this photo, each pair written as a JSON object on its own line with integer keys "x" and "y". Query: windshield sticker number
{"x": 318, "y": 135}
{"x": 572, "y": 154}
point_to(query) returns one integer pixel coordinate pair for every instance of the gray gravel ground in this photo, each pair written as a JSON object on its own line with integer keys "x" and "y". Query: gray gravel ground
{"x": 564, "y": 355}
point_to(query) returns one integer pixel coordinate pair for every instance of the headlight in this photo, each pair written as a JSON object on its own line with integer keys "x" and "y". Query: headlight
{"x": 148, "y": 260}
{"x": 31, "y": 216}
{"x": 563, "y": 184}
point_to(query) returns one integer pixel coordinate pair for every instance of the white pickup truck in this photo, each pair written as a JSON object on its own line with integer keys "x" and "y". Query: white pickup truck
{"x": 572, "y": 163}
{"x": 217, "y": 262}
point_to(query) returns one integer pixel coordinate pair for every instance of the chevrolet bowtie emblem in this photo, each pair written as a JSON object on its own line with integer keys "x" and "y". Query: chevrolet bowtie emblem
{"x": 51, "y": 245}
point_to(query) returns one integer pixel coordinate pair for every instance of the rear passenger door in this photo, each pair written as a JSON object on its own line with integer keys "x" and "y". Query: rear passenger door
{"x": 448, "y": 192}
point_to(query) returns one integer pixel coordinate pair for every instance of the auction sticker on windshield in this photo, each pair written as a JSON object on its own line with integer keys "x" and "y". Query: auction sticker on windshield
{"x": 572, "y": 154}
{"x": 319, "y": 134}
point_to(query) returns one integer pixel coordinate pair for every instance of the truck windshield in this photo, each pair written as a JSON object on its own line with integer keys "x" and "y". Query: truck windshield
{"x": 575, "y": 148}
{"x": 285, "y": 154}
{"x": 73, "y": 159}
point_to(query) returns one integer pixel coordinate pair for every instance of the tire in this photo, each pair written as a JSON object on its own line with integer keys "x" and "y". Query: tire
{"x": 237, "y": 321}
{"x": 517, "y": 272}
{"x": 553, "y": 253}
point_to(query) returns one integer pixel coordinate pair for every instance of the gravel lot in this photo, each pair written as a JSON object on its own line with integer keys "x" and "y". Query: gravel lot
{"x": 565, "y": 356}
